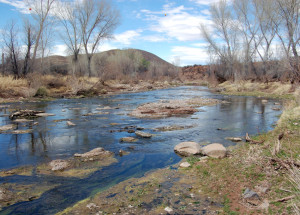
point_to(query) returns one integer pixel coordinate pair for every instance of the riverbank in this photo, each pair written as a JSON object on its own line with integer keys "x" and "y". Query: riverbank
{"x": 257, "y": 177}
{"x": 49, "y": 87}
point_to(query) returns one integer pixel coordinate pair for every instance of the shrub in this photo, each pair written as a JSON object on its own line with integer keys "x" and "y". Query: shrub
{"x": 41, "y": 92}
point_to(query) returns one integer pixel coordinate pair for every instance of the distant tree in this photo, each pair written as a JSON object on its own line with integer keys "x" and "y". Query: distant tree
{"x": 11, "y": 47}
{"x": 97, "y": 20}
{"x": 29, "y": 41}
{"x": 288, "y": 31}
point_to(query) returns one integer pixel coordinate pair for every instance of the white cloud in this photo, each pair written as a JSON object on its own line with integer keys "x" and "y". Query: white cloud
{"x": 105, "y": 47}
{"x": 205, "y": 2}
{"x": 127, "y": 37}
{"x": 154, "y": 38}
{"x": 189, "y": 55}
{"x": 59, "y": 50}
{"x": 20, "y": 5}
{"x": 177, "y": 22}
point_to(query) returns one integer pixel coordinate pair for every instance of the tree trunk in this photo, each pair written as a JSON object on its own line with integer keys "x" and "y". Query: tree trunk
{"x": 89, "y": 60}
{"x": 3, "y": 65}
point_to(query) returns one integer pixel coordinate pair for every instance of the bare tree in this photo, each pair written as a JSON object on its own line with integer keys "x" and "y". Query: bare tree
{"x": 248, "y": 27}
{"x": 69, "y": 18}
{"x": 29, "y": 42}
{"x": 40, "y": 10}
{"x": 9, "y": 36}
{"x": 225, "y": 46}
{"x": 97, "y": 20}
{"x": 288, "y": 32}
{"x": 45, "y": 42}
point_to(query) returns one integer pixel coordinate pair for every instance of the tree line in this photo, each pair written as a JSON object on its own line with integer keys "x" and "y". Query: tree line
{"x": 83, "y": 26}
{"x": 254, "y": 39}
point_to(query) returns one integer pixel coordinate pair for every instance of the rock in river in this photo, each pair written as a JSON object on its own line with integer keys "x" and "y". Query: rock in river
{"x": 214, "y": 150}
{"x": 93, "y": 153}
{"x": 7, "y": 127}
{"x": 188, "y": 148}
{"x": 128, "y": 139}
{"x": 143, "y": 134}
{"x": 234, "y": 139}
{"x": 69, "y": 123}
{"x": 59, "y": 165}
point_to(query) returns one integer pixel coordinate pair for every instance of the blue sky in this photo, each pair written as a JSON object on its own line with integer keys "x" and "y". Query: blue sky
{"x": 167, "y": 28}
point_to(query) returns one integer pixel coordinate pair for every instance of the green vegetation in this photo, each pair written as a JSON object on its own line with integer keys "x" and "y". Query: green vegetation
{"x": 42, "y": 92}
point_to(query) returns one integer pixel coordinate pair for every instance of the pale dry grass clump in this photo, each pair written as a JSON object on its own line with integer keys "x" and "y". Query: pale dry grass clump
{"x": 7, "y": 82}
{"x": 10, "y": 87}
{"x": 275, "y": 88}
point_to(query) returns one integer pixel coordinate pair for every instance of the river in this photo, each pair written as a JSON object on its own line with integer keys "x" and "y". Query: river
{"x": 53, "y": 139}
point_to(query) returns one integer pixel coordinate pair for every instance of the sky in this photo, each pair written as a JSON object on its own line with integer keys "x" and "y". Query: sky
{"x": 166, "y": 28}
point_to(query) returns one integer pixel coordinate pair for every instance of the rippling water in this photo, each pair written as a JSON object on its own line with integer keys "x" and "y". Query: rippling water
{"x": 53, "y": 139}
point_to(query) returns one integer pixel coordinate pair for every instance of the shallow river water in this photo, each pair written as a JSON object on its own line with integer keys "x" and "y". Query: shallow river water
{"x": 53, "y": 139}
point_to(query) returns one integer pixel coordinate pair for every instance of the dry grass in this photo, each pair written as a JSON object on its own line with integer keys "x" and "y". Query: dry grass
{"x": 272, "y": 89}
{"x": 295, "y": 180}
{"x": 10, "y": 87}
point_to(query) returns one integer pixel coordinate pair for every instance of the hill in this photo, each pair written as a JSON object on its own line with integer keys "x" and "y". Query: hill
{"x": 62, "y": 64}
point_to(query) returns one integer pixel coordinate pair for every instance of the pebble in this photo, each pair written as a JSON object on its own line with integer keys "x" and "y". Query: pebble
{"x": 168, "y": 209}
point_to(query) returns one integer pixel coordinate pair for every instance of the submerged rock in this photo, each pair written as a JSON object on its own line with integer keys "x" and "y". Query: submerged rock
{"x": 5, "y": 195}
{"x": 188, "y": 148}
{"x": 59, "y": 165}
{"x": 173, "y": 128}
{"x": 69, "y": 123}
{"x": 22, "y": 131}
{"x": 7, "y": 127}
{"x": 276, "y": 109}
{"x": 45, "y": 114}
{"x": 143, "y": 134}
{"x": 122, "y": 152}
{"x": 128, "y": 139}
{"x": 214, "y": 150}
{"x": 23, "y": 120}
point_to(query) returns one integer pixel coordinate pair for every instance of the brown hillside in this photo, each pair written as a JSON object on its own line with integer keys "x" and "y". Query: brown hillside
{"x": 60, "y": 64}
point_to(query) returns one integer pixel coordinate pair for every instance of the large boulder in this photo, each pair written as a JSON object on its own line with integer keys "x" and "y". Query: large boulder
{"x": 187, "y": 148}
{"x": 214, "y": 150}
